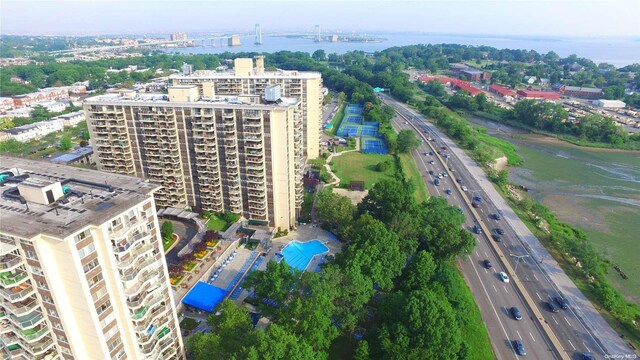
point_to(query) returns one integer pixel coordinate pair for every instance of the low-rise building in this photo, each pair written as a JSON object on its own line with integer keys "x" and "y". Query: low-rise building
{"x": 53, "y": 106}
{"x": 537, "y": 94}
{"x": 6, "y": 103}
{"x": 581, "y": 92}
{"x": 71, "y": 119}
{"x": 34, "y": 131}
{"x": 616, "y": 104}
{"x": 81, "y": 155}
{"x": 530, "y": 80}
{"x": 49, "y": 94}
{"x": 23, "y": 112}
{"x": 502, "y": 92}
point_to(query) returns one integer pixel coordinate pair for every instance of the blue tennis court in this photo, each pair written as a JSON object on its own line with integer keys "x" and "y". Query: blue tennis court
{"x": 374, "y": 145}
{"x": 369, "y": 131}
{"x": 356, "y": 119}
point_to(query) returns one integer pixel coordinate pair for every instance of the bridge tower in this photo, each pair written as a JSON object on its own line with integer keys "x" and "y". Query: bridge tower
{"x": 318, "y": 35}
{"x": 258, "y": 35}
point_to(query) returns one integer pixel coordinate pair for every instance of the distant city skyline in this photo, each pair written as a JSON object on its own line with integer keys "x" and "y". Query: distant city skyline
{"x": 570, "y": 18}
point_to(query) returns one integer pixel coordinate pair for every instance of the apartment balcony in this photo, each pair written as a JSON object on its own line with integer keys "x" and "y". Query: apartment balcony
{"x": 129, "y": 245}
{"x": 140, "y": 266}
{"x": 258, "y": 213}
{"x": 135, "y": 254}
{"x": 257, "y": 203}
{"x": 227, "y": 115}
{"x": 252, "y": 138}
{"x": 125, "y": 227}
{"x": 18, "y": 293}
{"x": 41, "y": 346}
{"x": 26, "y": 326}
{"x": 253, "y": 146}
{"x": 252, "y": 115}
{"x": 145, "y": 279}
{"x": 10, "y": 261}
{"x": 21, "y": 308}
{"x": 10, "y": 338}
{"x": 150, "y": 317}
{"x": 148, "y": 299}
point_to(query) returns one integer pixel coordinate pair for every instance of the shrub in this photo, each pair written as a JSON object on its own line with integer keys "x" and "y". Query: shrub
{"x": 211, "y": 235}
{"x": 167, "y": 230}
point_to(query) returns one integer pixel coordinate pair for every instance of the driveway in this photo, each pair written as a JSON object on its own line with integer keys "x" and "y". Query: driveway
{"x": 186, "y": 231}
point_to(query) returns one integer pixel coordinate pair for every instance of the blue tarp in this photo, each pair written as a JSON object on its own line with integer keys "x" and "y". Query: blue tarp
{"x": 204, "y": 296}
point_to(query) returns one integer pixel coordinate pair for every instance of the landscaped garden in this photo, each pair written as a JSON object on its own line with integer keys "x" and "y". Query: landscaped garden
{"x": 220, "y": 221}
{"x": 168, "y": 237}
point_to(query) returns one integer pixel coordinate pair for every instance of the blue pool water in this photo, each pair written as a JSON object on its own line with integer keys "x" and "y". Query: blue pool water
{"x": 299, "y": 255}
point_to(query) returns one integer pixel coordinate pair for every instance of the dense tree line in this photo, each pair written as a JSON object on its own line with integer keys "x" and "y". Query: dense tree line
{"x": 393, "y": 278}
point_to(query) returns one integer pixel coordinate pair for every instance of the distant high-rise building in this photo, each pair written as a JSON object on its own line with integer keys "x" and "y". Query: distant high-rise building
{"x": 211, "y": 153}
{"x": 245, "y": 79}
{"x": 83, "y": 270}
{"x": 178, "y": 37}
{"x": 318, "y": 34}
{"x": 258, "y": 35}
{"x": 234, "y": 40}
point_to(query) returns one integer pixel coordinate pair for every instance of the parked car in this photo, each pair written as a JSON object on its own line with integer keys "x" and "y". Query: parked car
{"x": 444, "y": 147}
{"x": 504, "y": 277}
{"x": 517, "y": 344}
{"x": 516, "y": 313}
{"x": 431, "y": 162}
{"x": 444, "y": 174}
{"x": 553, "y": 307}
{"x": 487, "y": 264}
{"x": 562, "y": 302}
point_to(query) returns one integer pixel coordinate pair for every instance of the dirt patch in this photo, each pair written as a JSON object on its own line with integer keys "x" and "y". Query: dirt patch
{"x": 500, "y": 163}
{"x": 355, "y": 196}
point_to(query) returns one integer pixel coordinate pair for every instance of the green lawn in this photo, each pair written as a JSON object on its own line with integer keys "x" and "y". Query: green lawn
{"x": 507, "y": 148}
{"x": 335, "y": 122}
{"x": 356, "y": 166}
{"x": 413, "y": 175}
{"x": 215, "y": 223}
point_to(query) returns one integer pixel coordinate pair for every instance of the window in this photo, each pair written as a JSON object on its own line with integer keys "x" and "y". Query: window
{"x": 86, "y": 250}
{"x": 47, "y": 299}
{"x": 91, "y": 265}
{"x": 52, "y": 312}
{"x": 107, "y": 320}
{"x": 42, "y": 285}
{"x": 31, "y": 255}
{"x": 81, "y": 236}
{"x": 96, "y": 279}
{"x": 37, "y": 270}
{"x": 100, "y": 309}
{"x": 98, "y": 294}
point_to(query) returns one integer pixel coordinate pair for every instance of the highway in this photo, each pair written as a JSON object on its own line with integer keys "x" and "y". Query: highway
{"x": 494, "y": 298}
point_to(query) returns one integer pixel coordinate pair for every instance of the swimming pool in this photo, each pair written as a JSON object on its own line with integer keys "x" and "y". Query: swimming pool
{"x": 298, "y": 254}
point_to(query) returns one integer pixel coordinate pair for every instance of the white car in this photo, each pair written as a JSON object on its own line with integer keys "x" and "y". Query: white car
{"x": 504, "y": 277}
{"x": 464, "y": 188}
{"x": 439, "y": 176}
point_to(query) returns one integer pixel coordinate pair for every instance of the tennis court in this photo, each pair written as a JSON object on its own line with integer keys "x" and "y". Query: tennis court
{"x": 373, "y": 145}
{"x": 355, "y": 119}
{"x": 369, "y": 130}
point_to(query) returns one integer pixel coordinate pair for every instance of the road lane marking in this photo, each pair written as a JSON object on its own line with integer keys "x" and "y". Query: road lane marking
{"x": 505, "y": 289}
{"x": 570, "y": 343}
{"x": 538, "y": 295}
{"x": 565, "y": 319}
{"x": 534, "y": 275}
{"x": 532, "y": 338}
{"x": 554, "y": 320}
{"x": 519, "y": 334}
{"x": 495, "y": 288}
{"x": 485, "y": 270}
{"x": 485, "y": 254}
{"x": 585, "y": 345}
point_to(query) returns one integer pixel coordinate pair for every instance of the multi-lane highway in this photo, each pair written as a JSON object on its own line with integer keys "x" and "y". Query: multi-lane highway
{"x": 545, "y": 334}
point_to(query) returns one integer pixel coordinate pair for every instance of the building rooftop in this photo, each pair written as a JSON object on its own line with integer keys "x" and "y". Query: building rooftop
{"x": 230, "y": 74}
{"x": 584, "y": 89}
{"x": 70, "y": 115}
{"x": 163, "y": 100}
{"x": 91, "y": 197}
{"x": 74, "y": 155}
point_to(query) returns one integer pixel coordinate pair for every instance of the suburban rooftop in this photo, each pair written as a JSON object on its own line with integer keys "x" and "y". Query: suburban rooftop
{"x": 230, "y": 74}
{"x": 92, "y": 198}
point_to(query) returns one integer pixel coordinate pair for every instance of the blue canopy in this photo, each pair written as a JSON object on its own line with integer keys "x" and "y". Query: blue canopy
{"x": 204, "y": 296}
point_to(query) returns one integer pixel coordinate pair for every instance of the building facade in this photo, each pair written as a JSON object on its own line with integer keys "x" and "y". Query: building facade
{"x": 246, "y": 79}
{"x": 83, "y": 274}
{"x": 233, "y": 154}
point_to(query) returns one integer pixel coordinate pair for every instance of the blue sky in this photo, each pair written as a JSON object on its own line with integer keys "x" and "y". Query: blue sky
{"x": 506, "y": 17}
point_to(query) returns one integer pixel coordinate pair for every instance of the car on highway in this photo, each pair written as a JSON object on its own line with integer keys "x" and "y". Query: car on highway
{"x": 587, "y": 356}
{"x": 497, "y": 237}
{"x": 553, "y": 307}
{"x": 477, "y": 198}
{"x": 446, "y": 156}
{"x": 436, "y": 182}
{"x": 516, "y": 313}
{"x": 504, "y": 277}
{"x": 430, "y": 172}
{"x": 431, "y": 153}
{"x": 444, "y": 174}
{"x": 439, "y": 176}
{"x": 460, "y": 210}
{"x": 475, "y": 204}
{"x": 459, "y": 180}
{"x": 476, "y": 229}
{"x": 431, "y": 162}
{"x": 561, "y": 302}
{"x": 487, "y": 264}
{"x": 444, "y": 147}
{"x": 497, "y": 216}
{"x": 464, "y": 188}
{"x": 448, "y": 191}
{"x": 498, "y": 231}
{"x": 517, "y": 344}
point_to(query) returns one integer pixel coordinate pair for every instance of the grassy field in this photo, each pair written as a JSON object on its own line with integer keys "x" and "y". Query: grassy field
{"x": 507, "y": 148}
{"x": 413, "y": 175}
{"x": 215, "y": 223}
{"x": 356, "y": 166}
{"x": 335, "y": 122}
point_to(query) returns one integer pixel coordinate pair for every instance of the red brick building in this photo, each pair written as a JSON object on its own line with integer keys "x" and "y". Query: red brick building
{"x": 501, "y": 91}
{"x": 536, "y": 94}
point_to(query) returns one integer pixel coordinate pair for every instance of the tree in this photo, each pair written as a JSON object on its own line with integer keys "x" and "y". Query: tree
{"x": 199, "y": 246}
{"x": 436, "y": 89}
{"x": 167, "y": 230}
{"x": 319, "y": 55}
{"x": 407, "y": 141}
{"x": 335, "y": 212}
{"x": 342, "y": 97}
{"x": 386, "y": 200}
{"x": 233, "y": 324}
{"x": 277, "y": 343}
{"x": 275, "y": 283}
{"x": 442, "y": 234}
{"x": 65, "y": 144}
{"x": 40, "y": 113}
{"x": 419, "y": 272}
{"x": 211, "y": 235}
{"x": 419, "y": 325}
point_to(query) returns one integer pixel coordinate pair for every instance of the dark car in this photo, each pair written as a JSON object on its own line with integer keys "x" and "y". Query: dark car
{"x": 477, "y": 198}
{"x": 487, "y": 264}
{"x": 497, "y": 237}
{"x": 431, "y": 153}
{"x": 498, "y": 231}
{"x": 448, "y": 191}
{"x": 430, "y": 172}
{"x": 497, "y": 216}
{"x": 436, "y": 182}
{"x": 587, "y": 356}
{"x": 562, "y": 302}
{"x": 459, "y": 180}
{"x": 517, "y": 344}
{"x": 477, "y": 229}
{"x": 475, "y": 204}
{"x": 553, "y": 307}
{"x": 516, "y": 313}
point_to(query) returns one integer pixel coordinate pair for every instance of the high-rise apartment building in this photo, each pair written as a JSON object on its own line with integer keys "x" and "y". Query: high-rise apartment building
{"x": 238, "y": 154}
{"x": 82, "y": 270}
{"x": 245, "y": 79}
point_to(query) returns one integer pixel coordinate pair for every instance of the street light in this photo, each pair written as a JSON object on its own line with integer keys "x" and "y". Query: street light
{"x": 518, "y": 257}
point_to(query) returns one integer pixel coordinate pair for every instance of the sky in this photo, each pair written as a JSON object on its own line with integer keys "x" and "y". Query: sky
{"x": 582, "y": 18}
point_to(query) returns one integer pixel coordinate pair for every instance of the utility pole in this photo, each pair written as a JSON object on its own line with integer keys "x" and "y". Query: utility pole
{"x": 518, "y": 257}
